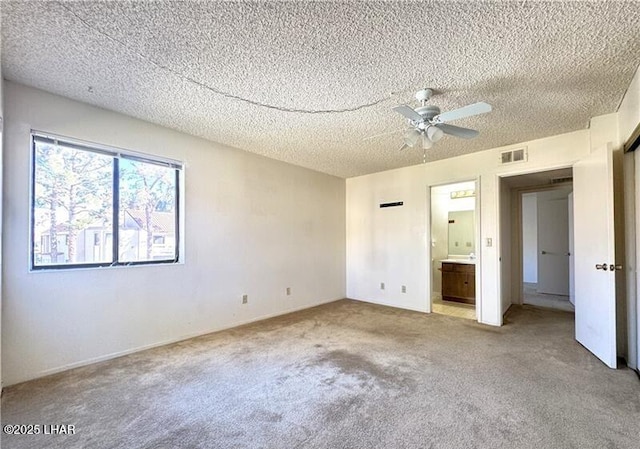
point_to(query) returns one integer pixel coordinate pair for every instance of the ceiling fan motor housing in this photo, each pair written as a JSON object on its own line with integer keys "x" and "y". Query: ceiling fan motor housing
{"x": 427, "y": 112}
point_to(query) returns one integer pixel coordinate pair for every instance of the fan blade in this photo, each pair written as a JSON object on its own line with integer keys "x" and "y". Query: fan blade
{"x": 457, "y": 131}
{"x": 375, "y": 136}
{"x": 467, "y": 111}
{"x": 409, "y": 113}
{"x": 403, "y": 147}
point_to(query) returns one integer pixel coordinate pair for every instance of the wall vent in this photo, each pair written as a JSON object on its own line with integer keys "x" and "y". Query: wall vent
{"x": 511, "y": 156}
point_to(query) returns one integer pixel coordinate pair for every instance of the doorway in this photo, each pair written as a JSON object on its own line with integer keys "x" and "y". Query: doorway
{"x": 547, "y": 240}
{"x": 541, "y": 234}
{"x": 599, "y": 276}
{"x": 453, "y": 249}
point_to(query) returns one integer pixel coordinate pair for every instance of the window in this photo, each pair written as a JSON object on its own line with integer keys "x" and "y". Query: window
{"x": 95, "y": 206}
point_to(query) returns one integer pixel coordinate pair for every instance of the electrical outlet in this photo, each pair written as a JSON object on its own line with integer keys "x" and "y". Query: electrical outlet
{"x": 381, "y": 285}
{"x": 404, "y": 289}
{"x": 288, "y": 291}
{"x": 245, "y": 299}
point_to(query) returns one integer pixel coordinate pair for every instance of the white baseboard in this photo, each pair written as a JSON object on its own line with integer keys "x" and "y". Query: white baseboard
{"x": 115, "y": 355}
{"x": 397, "y": 306}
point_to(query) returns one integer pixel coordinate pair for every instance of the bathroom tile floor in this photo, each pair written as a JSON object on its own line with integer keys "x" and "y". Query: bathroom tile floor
{"x": 456, "y": 309}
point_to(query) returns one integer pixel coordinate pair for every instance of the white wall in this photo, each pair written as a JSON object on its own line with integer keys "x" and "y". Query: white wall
{"x": 439, "y": 237}
{"x": 629, "y": 110}
{"x": 252, "y": 226}
{"x": 1, "y": 200}
{"x": 572, "y": 281}
{"x": 505, "y": 246}
{"x": 628, "y": 119}
{"x": 530, "y": 237}
{"x": 393, "y": 245}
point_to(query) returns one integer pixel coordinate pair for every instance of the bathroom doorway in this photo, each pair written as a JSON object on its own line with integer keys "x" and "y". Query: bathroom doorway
{"x": 453, "y": 249}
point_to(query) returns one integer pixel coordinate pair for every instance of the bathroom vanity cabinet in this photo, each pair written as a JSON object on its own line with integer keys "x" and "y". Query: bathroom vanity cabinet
{"x": 459, "y": 281}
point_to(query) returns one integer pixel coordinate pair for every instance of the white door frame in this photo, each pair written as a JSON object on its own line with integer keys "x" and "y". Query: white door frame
{"x": 429, "y": 264}
{"x": 516, "y": 272}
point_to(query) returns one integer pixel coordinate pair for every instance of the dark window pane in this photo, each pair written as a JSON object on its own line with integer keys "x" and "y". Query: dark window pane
{"x": 73, "y": 201}
{"x": 147, "y": 219}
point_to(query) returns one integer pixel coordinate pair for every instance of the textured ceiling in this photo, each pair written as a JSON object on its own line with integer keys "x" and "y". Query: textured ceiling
{"x": 307, "y": 82}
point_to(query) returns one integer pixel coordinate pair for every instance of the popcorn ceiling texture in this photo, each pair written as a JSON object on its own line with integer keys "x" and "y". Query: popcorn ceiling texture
{"x": 318, "y": 77}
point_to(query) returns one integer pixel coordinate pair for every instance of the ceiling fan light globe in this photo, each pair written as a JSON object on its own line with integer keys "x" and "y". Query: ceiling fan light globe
{"x": 434, "y": 133}
{"x": 411, "y": 137}
{"x": 426, "y": 143}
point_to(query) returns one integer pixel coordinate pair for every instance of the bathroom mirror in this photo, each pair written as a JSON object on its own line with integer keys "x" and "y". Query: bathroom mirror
{"x": 461, "y": 233}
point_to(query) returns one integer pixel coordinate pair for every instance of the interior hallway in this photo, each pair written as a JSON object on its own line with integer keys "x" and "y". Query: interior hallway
{"x": 345, "y": 375}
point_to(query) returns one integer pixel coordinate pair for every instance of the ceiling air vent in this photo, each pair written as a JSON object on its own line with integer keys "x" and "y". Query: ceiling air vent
{"x": 562, "y": 180}
{"x": 511, "y": 156}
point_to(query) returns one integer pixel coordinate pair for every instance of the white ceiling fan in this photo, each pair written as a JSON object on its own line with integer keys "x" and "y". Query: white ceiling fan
{"x": 428, "y": 123}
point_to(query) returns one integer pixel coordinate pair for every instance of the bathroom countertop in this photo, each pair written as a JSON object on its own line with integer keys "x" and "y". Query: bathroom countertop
{"x": 465, "y": 261}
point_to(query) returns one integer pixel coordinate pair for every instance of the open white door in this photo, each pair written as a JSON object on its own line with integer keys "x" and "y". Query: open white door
{"x": 595, "y": 255}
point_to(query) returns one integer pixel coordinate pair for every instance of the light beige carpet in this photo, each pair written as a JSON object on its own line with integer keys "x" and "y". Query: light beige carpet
{"x": 345, "y": 375}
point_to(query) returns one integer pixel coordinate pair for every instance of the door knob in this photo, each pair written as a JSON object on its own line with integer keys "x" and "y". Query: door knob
{"x": 602, "y": 266}
{"x": 615, "y": 267}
